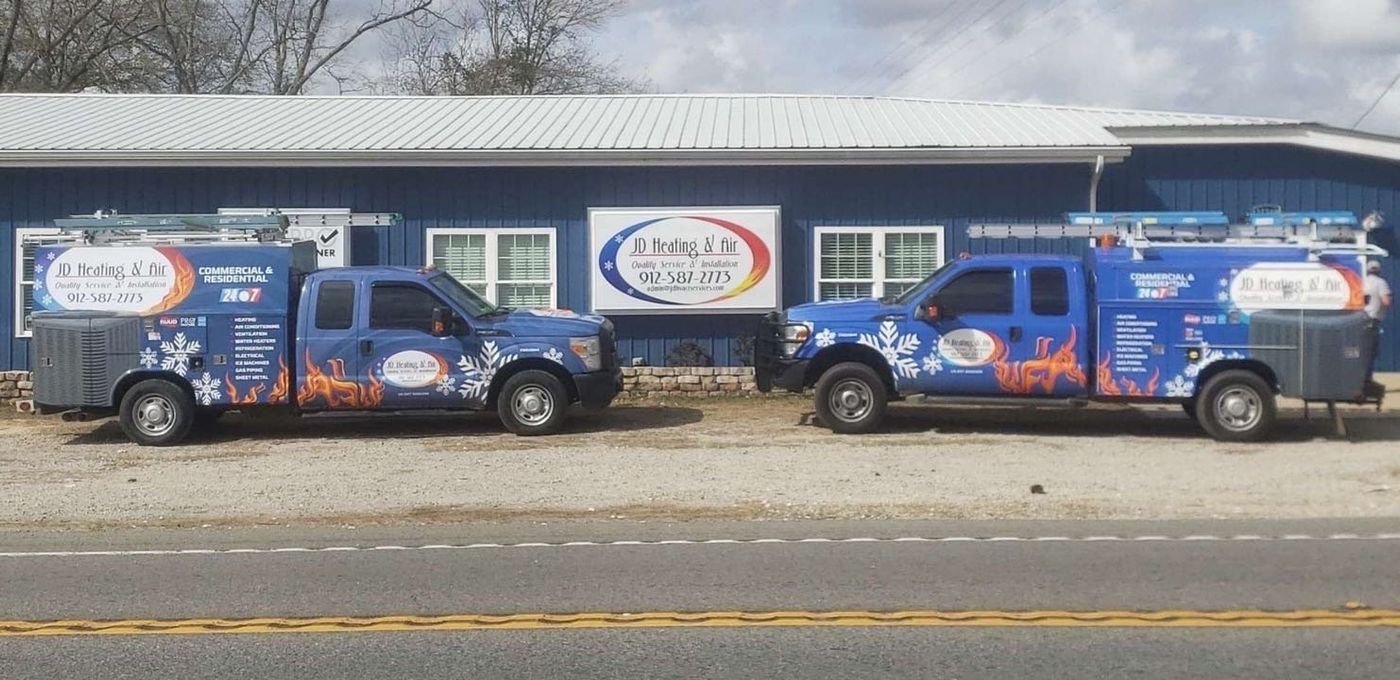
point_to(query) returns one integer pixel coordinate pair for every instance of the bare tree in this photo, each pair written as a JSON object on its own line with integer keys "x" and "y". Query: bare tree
{"x": 67, "y": 45}
{"x": 506, "y": 47}
{"x": 303, "y": 40}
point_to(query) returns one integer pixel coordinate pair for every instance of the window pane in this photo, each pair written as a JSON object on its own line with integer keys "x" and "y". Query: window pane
{"x": 461, "y": 255}
{"x": 394, "y": 306}
{"x": 1049, "y": 291}
{"x": 26, "y": 291}
{"x": 522, "y": 257}
{"x": 982, "y": 291}
{"x": 910, "y": 255}
{"x": 895, "y": 288}
{"x": 522, "y": 295}
{"x": 335, "y": 305}
{"x": 843, "y": 291}
{"x": 846, "y": 256}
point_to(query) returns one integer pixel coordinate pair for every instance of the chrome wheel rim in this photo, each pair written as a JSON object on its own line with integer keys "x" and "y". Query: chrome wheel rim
{"x": 1239, "y": 408}
{"x": 533, "y": 404}
{"x": 155, "y": 415}
{"x": 850, "y": 400}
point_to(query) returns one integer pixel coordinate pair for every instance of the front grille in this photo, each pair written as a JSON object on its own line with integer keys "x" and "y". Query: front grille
{"x": 607, "y": 344}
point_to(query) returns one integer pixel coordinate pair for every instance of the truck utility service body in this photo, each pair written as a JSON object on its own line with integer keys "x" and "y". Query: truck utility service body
{"x": 236, "y": 323}
{"x": 1229, "y": 321}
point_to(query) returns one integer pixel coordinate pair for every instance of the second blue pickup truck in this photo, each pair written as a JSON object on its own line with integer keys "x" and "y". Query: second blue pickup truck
{"x": 1168, "y": 307}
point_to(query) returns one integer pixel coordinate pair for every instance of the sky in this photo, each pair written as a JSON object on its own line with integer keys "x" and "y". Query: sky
{"x": 1316, "y": 60}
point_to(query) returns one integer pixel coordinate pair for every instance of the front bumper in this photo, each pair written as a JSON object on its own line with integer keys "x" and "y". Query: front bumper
{"x": 597, "y": 390}
{"x": 770, "y": 368}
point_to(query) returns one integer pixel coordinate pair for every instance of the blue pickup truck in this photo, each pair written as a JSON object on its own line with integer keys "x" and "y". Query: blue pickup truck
{"x": 168, "y": 322}
{"x": 1181, "y": 308}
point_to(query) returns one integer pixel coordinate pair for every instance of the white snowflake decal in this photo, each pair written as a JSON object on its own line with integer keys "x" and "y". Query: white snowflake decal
{"x": 608, "y": 265}
{"x": 38, "y": 284}
{"x": 1223, "y": 296}
{"x": 1208, "y": 357}
{"x": 51, "y": 256}
{"x": 39, "y": 268}
{"x": 825, "y": 337}
{"x": 177, "y": 354}
{"x": 206, "y": 389}
{"x": 933, "y": 363}
{"x": 1180, "y": 387}
{"x": 553, "y": 354}
{"x": 148, "y": 357}
{"x": 447, "y": 385}
{"x": 478, "y": 371}
{"x": 47, "y": 300}
{"x": 897, "y": 348}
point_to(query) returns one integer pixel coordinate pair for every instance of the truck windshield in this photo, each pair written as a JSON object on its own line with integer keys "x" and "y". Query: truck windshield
{"x": 910, "y": 292}
{"x": 462, "y": 296}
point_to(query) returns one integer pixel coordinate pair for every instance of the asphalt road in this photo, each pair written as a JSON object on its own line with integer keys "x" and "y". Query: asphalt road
{"x": 709, "y": 567}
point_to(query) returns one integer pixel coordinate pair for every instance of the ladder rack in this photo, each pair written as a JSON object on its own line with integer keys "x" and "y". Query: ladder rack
{"x": 111, "y": 228}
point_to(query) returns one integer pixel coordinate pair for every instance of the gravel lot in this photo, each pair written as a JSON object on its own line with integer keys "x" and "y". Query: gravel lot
{"x": 752, "y": 458}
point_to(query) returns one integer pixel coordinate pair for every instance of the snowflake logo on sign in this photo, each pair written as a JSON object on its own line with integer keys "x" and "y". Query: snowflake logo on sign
{"x": 897, "y": 348}
{"x": 177, "y": 354}
{"x": 480, "y": 370}
{"x": 206, "y": 389}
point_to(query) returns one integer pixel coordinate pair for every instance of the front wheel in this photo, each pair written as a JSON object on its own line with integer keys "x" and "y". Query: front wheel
{"x": 532, "y": 403}
{"x": 851, "y": 398}
{"x": 1236, "y": 406}
{"x": 156, "y": 413}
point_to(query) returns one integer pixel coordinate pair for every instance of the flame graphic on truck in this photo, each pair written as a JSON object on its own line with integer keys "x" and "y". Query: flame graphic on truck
{"x": 184, "y": 281}
{"x": 1022, "y": 377}
{"x": 282, "y": 387}
{"x": 232, "y": 389}
{"x": 336, "y": 389}
{"x": 1124, "y": 387}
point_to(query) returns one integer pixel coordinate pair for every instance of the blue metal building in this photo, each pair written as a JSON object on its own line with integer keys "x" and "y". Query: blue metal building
{"x": 522, "y": 173}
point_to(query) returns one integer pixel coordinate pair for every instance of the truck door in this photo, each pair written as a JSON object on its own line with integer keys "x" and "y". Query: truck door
{"x": 1049, "y": 358}
{"x": 328, "y": 364}
{"x": 404, "y": 361}
{"x": 975, "y": 329}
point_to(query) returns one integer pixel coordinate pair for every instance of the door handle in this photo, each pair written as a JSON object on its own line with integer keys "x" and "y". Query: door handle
{"x": 366, "y": 347}
{"x": 1015, "y": 334}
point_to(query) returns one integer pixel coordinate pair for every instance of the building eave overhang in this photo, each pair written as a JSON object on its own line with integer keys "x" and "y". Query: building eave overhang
{"x": 1308, "y": 135}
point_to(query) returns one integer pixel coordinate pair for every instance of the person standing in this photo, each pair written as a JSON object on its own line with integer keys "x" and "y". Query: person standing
{"x": 1378, "y": 300}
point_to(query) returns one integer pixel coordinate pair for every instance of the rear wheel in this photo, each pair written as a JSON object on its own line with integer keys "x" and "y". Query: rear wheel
{"x": 156, "y": 413}
{"x": 532, "y": 403}
{"x": 851, "y": 398}
{"x": 1237, "y": 406}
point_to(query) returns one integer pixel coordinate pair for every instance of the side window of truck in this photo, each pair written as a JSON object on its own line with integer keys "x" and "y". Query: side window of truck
{"x": 335, "y": 305}
{"x": 393, "y": 305}
{"x": 980, "y": 291}
{"x": 1049, "y": 291}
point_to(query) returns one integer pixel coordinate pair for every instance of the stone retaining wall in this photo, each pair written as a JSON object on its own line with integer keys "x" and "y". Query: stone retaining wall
{"x": 648, "y": 381}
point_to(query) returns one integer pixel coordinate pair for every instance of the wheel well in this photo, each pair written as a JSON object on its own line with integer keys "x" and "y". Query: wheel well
{"x": 127, "y": 381}
{"x": 1254, "y": 366}
{"x": 529, "y": 364}
{"x": 844, "y": 352}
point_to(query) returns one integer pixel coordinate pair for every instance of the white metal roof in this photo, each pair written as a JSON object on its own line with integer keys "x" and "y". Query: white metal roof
{"x": 99, "y": 129}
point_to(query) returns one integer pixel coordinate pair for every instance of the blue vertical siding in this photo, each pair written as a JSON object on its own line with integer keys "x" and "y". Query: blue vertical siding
{"x": 1230, "y": 179}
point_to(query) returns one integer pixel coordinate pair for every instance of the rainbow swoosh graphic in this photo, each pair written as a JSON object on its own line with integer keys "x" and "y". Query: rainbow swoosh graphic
{"x": 762, "y": 259}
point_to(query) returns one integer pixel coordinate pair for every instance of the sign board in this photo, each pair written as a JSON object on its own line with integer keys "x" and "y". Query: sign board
{"x": 684, "y": 260}
{"x": 328, "y": 228}
{"x": 332, "y": 243}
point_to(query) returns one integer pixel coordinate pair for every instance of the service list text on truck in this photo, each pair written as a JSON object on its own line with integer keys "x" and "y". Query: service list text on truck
{"x": 168, "y": 332}
{"x": 1169, "y": 307}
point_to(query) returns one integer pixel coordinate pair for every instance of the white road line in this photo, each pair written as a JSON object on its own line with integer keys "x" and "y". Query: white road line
{"x": 1194, "y": 538}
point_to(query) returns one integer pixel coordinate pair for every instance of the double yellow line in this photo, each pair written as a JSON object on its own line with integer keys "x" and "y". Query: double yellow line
{"x": 1184, "y": 618}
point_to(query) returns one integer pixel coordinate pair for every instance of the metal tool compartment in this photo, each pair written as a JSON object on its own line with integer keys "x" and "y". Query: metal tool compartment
{"x": 77, "y": 356}
{"x": 1319, "y": 355}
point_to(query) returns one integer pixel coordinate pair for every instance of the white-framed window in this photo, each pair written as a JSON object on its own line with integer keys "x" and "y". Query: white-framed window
{"x": 857, "y": 262}
{"x": 27, "y": 242}
{"x": 511, "y": 267}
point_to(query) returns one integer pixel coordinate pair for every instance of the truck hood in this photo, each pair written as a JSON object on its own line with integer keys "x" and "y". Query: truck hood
{"x": 863, "y": 309}
{"x": 550, "y": 323}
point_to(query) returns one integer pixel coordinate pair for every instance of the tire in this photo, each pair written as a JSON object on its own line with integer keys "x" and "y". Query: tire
{"x": 851, "y": 398}
{"x": 156, "y": 413}
{"x": 532, "y": 403}
{"x": 1237, "y": 406}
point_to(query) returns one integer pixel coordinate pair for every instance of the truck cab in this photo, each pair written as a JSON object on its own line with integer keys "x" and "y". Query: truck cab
{"x": 1182, "y": 308}
{"x": 170, "y": 321}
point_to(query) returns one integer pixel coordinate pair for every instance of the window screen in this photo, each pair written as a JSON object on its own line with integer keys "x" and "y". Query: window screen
{"x": 847, "y": 266}
{"x": 981, "y": 291}
{"x": 523, "y": 270}
{"x": 335, "y": 305}
{"x": 464, "y": 257}
{"x": 399, "y": 306}
{"x": 1049, "y": 291}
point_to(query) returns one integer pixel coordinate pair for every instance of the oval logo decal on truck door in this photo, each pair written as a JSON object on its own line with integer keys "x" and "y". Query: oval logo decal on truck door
{"x": 412, "y": 368}
{"x": 969, "y": 347}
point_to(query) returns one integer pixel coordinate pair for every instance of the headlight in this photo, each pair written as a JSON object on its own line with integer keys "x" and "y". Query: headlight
{"x": 793, "y": 337}
{"x": 588, "y": 350}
